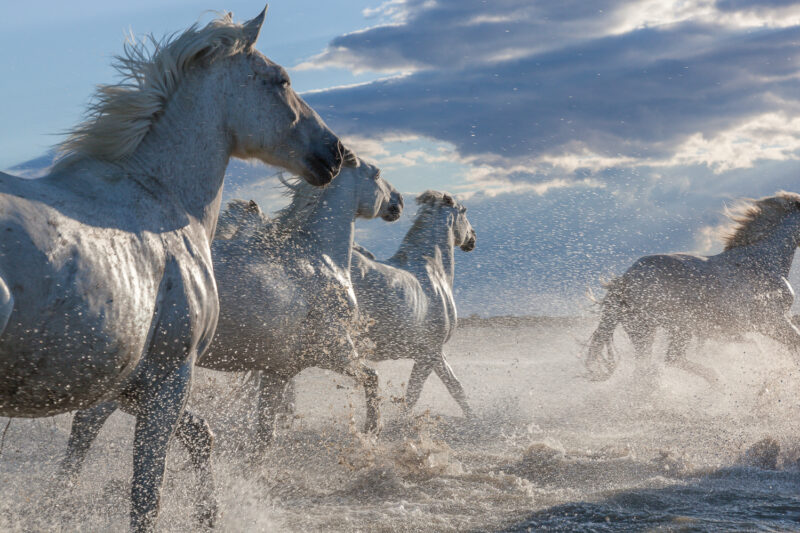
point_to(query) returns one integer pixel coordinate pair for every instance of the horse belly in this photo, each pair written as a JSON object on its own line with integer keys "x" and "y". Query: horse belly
{"x": 81, "y": 314}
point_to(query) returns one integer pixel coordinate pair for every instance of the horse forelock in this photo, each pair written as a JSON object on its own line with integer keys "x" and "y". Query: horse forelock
{"x": 150, "y": 72}
{"x": 433, "y": 198}
{"x": 755, "y": 219}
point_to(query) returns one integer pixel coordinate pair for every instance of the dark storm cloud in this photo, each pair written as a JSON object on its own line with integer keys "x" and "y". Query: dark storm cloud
{"x": 456, "y": 34}
{"x": 743, "y": 5}
{"x": 637, "y": 94}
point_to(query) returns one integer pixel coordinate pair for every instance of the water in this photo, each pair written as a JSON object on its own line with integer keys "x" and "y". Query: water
{"x": 549, "y": 451}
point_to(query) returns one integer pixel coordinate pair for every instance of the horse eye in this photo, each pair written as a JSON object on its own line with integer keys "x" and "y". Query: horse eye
{"x": 284, "y": 83}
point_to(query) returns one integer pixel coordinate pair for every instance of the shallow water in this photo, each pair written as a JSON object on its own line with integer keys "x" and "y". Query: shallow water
{"x": 549, "y": 451}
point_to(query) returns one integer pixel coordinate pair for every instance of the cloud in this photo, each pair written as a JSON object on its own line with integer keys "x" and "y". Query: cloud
{"x": 635, "y": 98}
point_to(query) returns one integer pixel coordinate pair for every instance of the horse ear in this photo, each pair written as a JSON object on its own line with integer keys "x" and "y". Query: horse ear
{"x": 449, "y": 200}
{"x": 253, "y": 27}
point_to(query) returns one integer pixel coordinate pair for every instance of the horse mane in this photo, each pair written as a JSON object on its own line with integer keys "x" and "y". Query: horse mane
{"x": 151, "y": 71}
{"x": 304, "y": 198}
{"x": 755, "y": 219}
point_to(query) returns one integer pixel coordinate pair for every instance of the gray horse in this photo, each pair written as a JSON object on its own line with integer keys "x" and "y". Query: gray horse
{"x": 743, "y": 289}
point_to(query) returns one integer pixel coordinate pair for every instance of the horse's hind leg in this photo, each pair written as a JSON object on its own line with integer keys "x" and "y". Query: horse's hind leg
{"x": 270, "y": 396}
{"x": 196, "y": 435}
{"x": 676, "y": 356}
{"x": 86, "y": 425}
{"x": 448, "y": 377}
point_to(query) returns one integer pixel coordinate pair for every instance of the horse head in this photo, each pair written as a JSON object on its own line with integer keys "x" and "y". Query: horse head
{"x": 375, "y": 197}
{"x": 453, "y": 214}
{"x": 268, "y": 120}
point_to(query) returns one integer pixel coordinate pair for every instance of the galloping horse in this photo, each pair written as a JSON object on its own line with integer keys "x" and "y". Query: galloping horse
{"x": 410, "y": 296}
{"x": 285, "y": 294}
{"x": 742, "y": 289}
{"x": 292, "y": 270}
{"x": 107, "y": 290}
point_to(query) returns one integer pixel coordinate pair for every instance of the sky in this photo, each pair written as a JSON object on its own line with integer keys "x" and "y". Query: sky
{"x": 581, "y": 135}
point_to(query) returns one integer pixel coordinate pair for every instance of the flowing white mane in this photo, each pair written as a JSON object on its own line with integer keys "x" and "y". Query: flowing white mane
{"x": 151, "y": 71}
{"x": 304, "y": 197}
{"x": 754, "y": 219}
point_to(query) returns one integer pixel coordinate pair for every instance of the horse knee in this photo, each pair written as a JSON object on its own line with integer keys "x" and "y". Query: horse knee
{"x": 370, "y": 378}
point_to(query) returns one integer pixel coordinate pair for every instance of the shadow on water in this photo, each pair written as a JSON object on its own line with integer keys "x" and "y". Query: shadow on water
{"x": 728, "y": 499}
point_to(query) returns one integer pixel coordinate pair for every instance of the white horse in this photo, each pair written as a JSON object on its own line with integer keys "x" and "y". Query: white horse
{"x": 107, "y": 289}
{"x": 743, "y": 289}
{"x": 286, "y": 298}
{"x": 409, "y": 297}
{"x": 285, "y": 294}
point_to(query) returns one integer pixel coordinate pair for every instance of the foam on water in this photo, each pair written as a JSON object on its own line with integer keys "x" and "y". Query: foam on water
{"x": 548, "y": 449}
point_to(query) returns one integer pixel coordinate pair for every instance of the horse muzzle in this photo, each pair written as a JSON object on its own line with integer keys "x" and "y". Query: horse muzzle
{"x": 395, "y": 208}
{"x": 322, "y": 167}
{"x": 470, "y": 244}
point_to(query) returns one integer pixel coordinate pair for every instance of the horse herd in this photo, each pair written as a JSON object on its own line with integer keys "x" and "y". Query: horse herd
{"x": 117, "y": 278}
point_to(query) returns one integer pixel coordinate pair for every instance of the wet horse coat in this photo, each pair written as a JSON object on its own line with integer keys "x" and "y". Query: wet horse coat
{"x": 409, "y": 297}
{"x": 107, "y": 290}
{"x": 742, "y": 289}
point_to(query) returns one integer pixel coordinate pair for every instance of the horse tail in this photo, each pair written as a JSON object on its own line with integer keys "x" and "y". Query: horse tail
{"x": 601, "y": 359}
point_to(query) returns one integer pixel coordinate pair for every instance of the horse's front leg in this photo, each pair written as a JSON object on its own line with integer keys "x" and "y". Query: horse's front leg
{"x": 196, "y": 435}
{"x": 448, "y": 377}
{"x": 158, "y": 410}
{"x": 368, "y": 378}
{"x": 86, "y": 425}
{"x": 270, "y": 398}
{"x": 419, "y": 374}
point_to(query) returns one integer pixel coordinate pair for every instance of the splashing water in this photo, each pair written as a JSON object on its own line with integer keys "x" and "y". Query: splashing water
{"x": 548, "y": 450}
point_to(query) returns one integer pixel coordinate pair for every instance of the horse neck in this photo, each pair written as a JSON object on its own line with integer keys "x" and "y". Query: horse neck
{"x": 428, "y": 241}
{"x": 331, "y": 224}
{"x": 186, "y": 152}
{"x": 777, "y": 250}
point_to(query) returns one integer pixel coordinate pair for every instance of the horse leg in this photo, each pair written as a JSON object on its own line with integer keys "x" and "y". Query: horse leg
{"x": 419, "y": 373}
{"x": 6, "y": 304}
{"x": 368, "y": 378}
{"x": 676, "y": 356}
{"x": 196, "y": 436}
{"x": 448, "y": 377}
{"x": 158, "y": 411}
{"x": 642, "y": 334}
{"x": 287, "y": 409}
{"x": 270, "y": 395}
{"x": 86, "y": 425}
